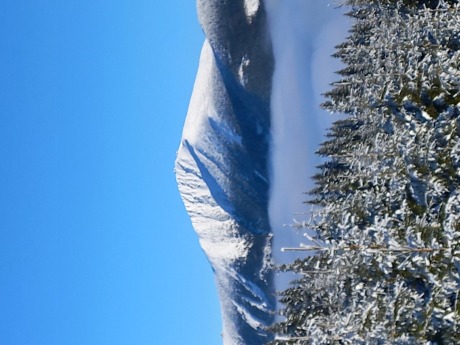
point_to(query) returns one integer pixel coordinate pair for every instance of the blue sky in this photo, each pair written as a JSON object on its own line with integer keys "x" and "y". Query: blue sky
{"x": 95, "y": 245}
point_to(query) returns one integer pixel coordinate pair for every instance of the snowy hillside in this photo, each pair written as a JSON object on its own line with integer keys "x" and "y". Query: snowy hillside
{"x": 221, "y": 166}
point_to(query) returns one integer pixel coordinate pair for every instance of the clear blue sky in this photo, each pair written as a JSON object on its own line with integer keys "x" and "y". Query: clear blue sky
{"x": 95, "y": 245}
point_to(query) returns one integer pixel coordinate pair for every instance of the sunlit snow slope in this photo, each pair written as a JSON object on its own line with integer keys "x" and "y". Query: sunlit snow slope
{"x": 221, "y": 166}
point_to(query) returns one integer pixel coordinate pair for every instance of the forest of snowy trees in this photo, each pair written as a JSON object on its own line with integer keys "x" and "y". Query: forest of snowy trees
{"x": 382, "y": 263}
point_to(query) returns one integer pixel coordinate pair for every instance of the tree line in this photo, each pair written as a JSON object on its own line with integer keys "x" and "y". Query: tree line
{"x": 382, "y": 252}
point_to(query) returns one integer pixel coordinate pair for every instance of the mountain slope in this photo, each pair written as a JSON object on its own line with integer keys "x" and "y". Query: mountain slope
{"x": 221, "y": 166}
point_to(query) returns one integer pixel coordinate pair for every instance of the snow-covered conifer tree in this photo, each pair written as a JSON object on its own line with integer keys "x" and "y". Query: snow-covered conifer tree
{"x": 385, "y": 230}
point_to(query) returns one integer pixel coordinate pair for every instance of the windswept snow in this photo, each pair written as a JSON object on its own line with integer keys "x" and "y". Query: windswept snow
{"x": 221, "y": 166}
{"x": 219, "y": 242}
{"x": 242, "y": 71}
{"x": 249, "y": 318}
{"x": 202, "y": 98}
{"x": 251, "y": 7}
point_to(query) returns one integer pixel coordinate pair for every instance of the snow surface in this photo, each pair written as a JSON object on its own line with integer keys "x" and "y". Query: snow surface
{"x": 221, "y": 167}
{"x": 251, "y": 7}
{"x": 215, "y": 227}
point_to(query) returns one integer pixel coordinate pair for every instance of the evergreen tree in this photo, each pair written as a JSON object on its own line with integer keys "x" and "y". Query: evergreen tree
{"x": 385, "y": 230}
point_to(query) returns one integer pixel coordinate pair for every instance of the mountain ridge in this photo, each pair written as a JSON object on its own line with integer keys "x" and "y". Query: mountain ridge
{"x": 222, "y": 164}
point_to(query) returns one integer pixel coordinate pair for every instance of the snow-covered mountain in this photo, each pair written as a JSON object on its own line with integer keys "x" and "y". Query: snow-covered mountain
{"x": 247, "y": 150}
{"x": 222, "y": 163}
